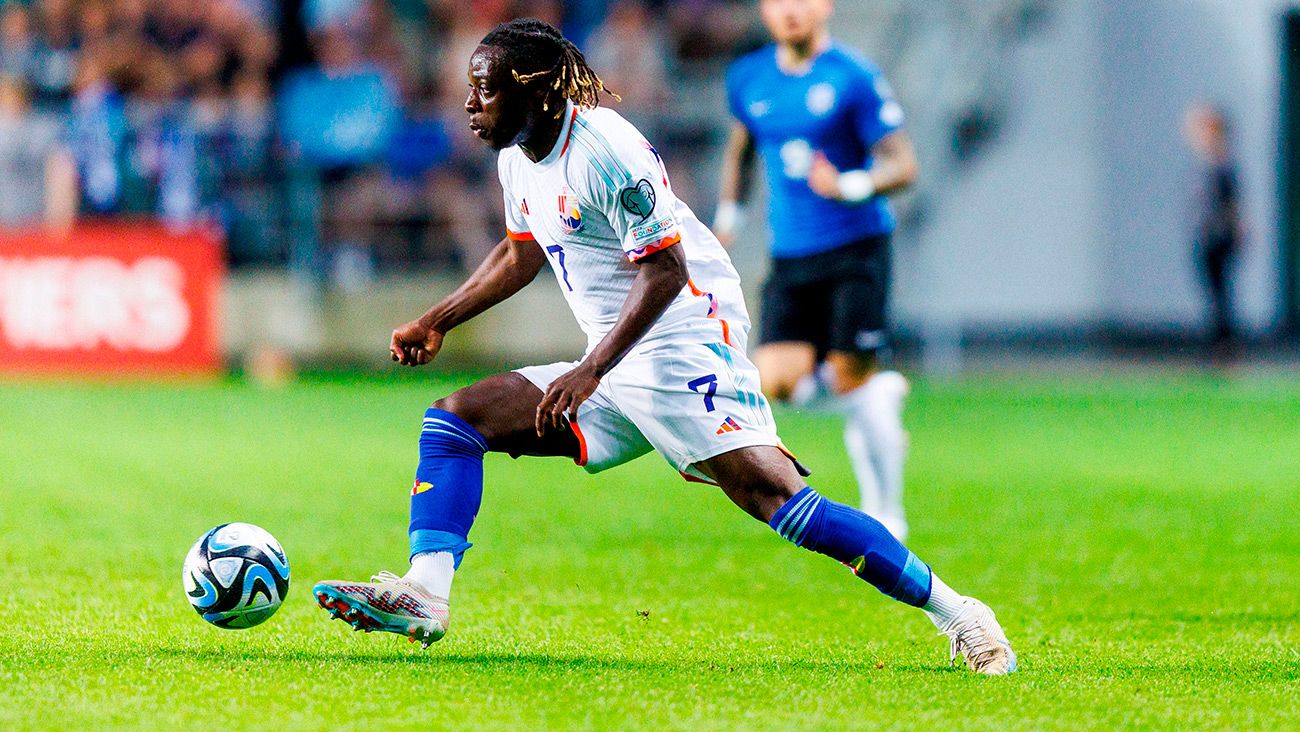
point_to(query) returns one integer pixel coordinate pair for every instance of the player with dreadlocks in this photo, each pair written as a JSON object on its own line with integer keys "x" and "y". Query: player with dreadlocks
{"x": 665, "y": 367}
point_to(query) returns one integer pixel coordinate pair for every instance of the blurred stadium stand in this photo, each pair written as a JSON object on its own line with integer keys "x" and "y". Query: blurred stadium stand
{"x": 324, "y": 140}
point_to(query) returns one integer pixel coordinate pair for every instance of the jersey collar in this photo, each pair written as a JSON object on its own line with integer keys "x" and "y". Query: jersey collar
{"x": 806, "y": 70}
{"x": 562, "y": 141}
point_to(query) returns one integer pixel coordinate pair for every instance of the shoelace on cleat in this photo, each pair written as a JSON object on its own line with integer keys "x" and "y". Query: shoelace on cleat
{"x": 386, "y": 576}
{"x": 429, "y": 605}
{"x": 968, "y": 638}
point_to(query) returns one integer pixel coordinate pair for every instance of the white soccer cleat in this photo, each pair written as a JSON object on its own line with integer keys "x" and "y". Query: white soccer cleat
{"x": 976, "y": 636}
{"x": 387, "y": 603}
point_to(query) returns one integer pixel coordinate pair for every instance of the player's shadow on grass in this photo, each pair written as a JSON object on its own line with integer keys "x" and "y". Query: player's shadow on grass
{"x": 537, "y": 662}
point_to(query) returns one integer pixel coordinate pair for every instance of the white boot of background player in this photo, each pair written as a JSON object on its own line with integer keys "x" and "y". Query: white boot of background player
{"x": 877, "y": 447}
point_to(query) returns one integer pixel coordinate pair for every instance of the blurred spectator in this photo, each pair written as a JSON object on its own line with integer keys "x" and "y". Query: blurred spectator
{"x": 330, "y": 133}
{"x": 37, "y": 181}
{"x": 241, "y": 139}
{"x": 631, "y": 53}
{"x": 57, "y": 50}
{"x": 19, "y": 52}
{"x": 165, "y": 159}
{"x": 339, "y": 119}
{"x": 97, "y": 136}
{"x": 1218, "y": 222}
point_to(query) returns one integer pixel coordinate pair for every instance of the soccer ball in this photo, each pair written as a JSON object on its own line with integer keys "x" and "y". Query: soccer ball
{"x": 236, "y": 576}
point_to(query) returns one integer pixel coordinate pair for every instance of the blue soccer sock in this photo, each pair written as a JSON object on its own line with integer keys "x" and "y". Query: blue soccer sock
{"x": 857, "y": 540}
{"x": 448, "y": 485}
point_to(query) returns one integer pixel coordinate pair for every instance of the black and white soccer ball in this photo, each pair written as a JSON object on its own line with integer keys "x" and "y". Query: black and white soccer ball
{"x": 236, "y": 575}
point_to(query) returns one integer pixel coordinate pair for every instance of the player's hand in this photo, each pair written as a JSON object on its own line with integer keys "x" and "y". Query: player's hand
{"x": 414, "y": 344}
{"x": 824, "y": 177}
{"x": 559, "y": 406}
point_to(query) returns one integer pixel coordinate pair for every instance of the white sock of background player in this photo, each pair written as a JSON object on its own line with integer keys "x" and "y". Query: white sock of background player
{"x": 864, "y": 468}
{"x": 876, "y": 438}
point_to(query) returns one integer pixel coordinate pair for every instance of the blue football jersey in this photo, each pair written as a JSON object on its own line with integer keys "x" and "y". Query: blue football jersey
{"x": 841, "y": 106}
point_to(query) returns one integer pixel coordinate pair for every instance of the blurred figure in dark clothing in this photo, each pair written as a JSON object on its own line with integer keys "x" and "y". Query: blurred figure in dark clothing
{"x": 1218, "y": 222}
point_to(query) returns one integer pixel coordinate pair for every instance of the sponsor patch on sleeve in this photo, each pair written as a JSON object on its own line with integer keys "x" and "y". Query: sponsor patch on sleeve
{"x": 652, "y": 231}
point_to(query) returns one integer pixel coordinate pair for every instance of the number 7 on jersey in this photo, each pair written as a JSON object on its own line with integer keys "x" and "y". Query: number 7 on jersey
{"x": 558, "y": 251}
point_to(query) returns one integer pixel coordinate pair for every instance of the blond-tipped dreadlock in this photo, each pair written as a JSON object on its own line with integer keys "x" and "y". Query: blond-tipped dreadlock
{"x": 538, "y": 53}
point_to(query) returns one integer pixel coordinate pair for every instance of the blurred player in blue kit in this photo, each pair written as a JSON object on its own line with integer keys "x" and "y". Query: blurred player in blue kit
{"x": 829, "y": 132}
{"x": 665, "y": 368}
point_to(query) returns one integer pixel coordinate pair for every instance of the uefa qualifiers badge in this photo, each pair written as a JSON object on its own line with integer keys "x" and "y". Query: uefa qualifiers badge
{"x": 639, "y": 200}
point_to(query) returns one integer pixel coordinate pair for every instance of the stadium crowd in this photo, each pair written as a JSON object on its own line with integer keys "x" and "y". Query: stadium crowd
{"x": 327, "y": 134}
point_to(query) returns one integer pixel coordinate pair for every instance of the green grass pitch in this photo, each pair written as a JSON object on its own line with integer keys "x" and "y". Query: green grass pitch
{"x": 1138, "y": 536}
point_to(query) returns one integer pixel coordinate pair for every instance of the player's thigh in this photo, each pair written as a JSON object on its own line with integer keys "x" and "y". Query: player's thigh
{"x": 604, "y": 436}
{"x": 758, "y": 479}
{"x": 858, "y": 317}
{"x": 781, "y": 365}
{"x": 792, "y": 326}
{"x": 693, "y": 401}
{"x": 503, "y": 408}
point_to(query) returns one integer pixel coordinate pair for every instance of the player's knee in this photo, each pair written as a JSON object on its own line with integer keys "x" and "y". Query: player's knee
{"x": 758, "y": 483}
{"x": 777, "y": 391}
{"x": 848, "y": 372}
{"x": 466, "y": 409}
{"x": 761, "y": 498}
{"x": 847, "y": 383}
{"x": 778, "y": 384}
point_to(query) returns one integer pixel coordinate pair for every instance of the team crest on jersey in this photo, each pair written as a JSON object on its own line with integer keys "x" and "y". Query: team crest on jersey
{"x": 820, "y": 99}
{"x": 523, "y": 207}
{"x": 570, "y": 214}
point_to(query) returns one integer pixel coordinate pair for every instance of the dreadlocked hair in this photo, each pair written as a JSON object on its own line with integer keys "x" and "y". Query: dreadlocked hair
{"x": 538, "y": 53}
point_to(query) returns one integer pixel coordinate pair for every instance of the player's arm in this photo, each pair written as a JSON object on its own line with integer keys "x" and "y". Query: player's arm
{"x": 660, "y": 277}
{"x": 737, "y": 177}
{"x": 894, "y": 167}
{"x": 512, "y": 264}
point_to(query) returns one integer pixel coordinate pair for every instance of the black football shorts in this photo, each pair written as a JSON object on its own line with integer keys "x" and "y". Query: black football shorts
{"x": 835, "y": 300}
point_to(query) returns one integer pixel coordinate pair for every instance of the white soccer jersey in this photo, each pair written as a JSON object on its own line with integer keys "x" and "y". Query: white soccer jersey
{"x": 599, "y": 202}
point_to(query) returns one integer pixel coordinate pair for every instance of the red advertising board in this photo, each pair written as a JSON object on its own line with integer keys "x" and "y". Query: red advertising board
{"x": 110, "y": 299}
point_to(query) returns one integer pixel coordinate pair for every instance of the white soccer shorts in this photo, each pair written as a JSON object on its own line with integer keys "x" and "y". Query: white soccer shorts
{"x": 689, "y": 402}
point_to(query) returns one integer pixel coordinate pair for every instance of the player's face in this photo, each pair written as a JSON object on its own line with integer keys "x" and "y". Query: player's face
{"x": 1203, "y": 131}
{"x": 497, "y": 106}
{"x": 795, "y": 21}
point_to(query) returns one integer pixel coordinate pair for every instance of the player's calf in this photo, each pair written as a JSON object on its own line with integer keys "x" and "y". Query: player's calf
{"x": 757, "y": 482}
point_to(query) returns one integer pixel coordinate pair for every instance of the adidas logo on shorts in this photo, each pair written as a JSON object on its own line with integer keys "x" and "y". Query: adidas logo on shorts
{"x": 728, "y": 425}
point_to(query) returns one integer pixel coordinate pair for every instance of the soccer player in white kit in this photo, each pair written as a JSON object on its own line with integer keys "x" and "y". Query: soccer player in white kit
{"x": 665, "y": 367}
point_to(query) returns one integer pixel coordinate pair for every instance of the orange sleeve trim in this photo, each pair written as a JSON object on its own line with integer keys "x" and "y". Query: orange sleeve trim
{"x": 582, "y": 444}
{"x": 642, "y": 252}
{"x": 520, "y": 235}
